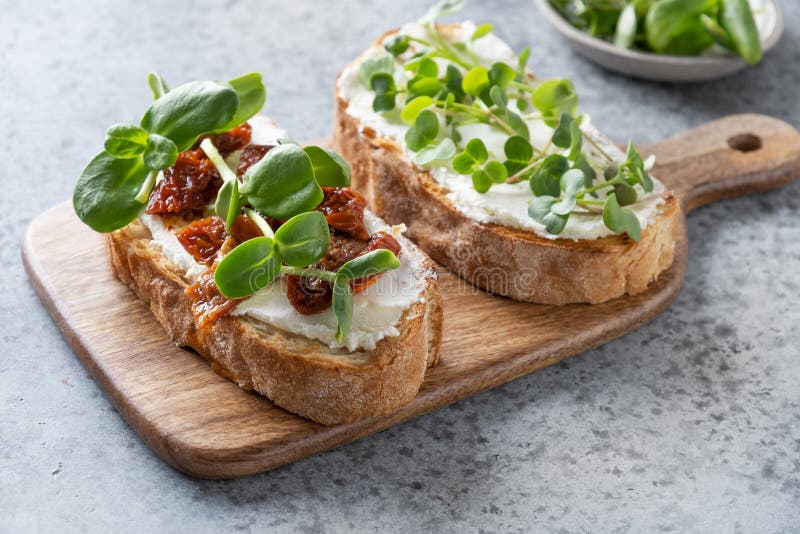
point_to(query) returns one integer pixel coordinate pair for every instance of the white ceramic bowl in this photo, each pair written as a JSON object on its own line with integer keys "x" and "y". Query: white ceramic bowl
{"x": 658, "y": 66}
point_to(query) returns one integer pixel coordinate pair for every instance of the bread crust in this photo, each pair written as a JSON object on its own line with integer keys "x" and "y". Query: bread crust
{"x": 298, "y": 374}
{"x": 503, "y": 260}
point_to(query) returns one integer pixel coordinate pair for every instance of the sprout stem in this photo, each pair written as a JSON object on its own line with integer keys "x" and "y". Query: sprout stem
{"x": 256, "y": 217}
{"x": 144, "y": 192}
{"x": 219, "y": 162}
{"x": 309, "y": 272}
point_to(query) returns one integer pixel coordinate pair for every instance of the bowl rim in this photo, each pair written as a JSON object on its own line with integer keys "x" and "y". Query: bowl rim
{"x": 564, "y": 27}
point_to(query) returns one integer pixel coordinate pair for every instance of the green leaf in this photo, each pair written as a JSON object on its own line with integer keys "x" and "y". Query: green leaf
{"x": 453, "y": 81}
{"x": 562, "y": 135}
{"x": 571, "y": 183}
{"x": 445, "y": 150}
{"x": 474, "y": 155}
{"x": 157, "y": 85}
{"x": 397, "y": 44}
{"x": 428, "y": 68}
{"x": 492, "y": 173}
{"x": 546, "y": 179}
{"x": 282, "y": 184}
{"x": 373, "y": 66}
{"x": 498, "y": 96}
{"x": 251, "y": 93}
{"x": 519, "y": 153}
{"x": 342, "y": 304}
{"x": 105, "y": 195}
{"x": 540, "y": 210}
{"x": 125, "y": 140}
{"x": 589, "y": 174}
{"x": 371, "y": 263}
{"x": 621, "y": 220}
{"x": 330, "y": 169}
{"x": 424, "y": 131}
{"x": 522, "y": 63}
{"x": 385, "y": 92}
{"x": 303, "y": 239}
{"x": 160, "y": 152}
{"x": 414, "y": 107}
{"x": 188, "y": 111}
{"x": 481, "y": 31}
{"x": 475, "y": 80}
{"x": 674, "y": 26}
{"x": 227, "y": 205}
{"x": 635, "y": 170}
{"x": 625, "y": 194}
{"x": 736, "y": 17}
{"x": 442, "y": 9}
{"x": 251, "y": 266}
{"x": 627, "y": 23}
{"x": 501, "y": 74}
{"x": 421, "y": 86}
{"x": 554, "y": 97}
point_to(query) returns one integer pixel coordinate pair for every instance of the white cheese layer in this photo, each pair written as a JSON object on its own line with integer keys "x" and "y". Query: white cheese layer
{"x": 505, "y": 204}
{"x": 376, "y": 311}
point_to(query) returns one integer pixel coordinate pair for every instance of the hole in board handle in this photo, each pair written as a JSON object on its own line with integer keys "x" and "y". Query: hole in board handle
{"x": 745, "y": 142}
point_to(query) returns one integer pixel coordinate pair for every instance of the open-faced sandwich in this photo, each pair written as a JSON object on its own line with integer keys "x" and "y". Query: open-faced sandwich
{"x": 255, "y": 252}
{"x": 493, "y": 170}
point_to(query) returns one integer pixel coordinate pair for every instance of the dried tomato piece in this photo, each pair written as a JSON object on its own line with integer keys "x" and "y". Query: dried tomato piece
{"x": 250, "y": 156}
{"x": 341, "y": 249}
{"x": 308, "y": 295}
{"x": 203, "y": 238}
{"x": 378, "y": 240}
{"x": 230, "y": 141}
{"x": 208, "y": 304}
{"x": 344, "y": 210}
{"x": 190, "y": 184}
{"x": 243, "y": 228}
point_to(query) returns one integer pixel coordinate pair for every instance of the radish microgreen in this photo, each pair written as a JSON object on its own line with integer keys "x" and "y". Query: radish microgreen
{"x": 440, "y": 85}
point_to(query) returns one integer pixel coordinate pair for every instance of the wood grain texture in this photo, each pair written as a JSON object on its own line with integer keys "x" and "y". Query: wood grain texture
{"x": 205, "y": 426}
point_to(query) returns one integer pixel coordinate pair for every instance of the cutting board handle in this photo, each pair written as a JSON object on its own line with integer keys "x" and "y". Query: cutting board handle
{"x": 730, "y": 157}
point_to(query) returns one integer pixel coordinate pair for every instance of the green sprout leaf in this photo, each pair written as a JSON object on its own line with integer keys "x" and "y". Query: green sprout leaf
{"x": 442, "y": 9}
{"x": 248, "y": 268}
{"x": 473, "y": 156}
{"x": 385, "y": 92}
{"x": 627, "y": 24}
{"x": 576, "y": 143}
{"x": 562, "y": 136}
{"x": 303, "y": 239}
{"x": 481, "y": 31}
{"x": 342, "y": 304}
{"x": 397, "y": 44}
{"x": 125, "y": 140}
{"x": 476, "y": 80}
{"x": 674, "y": 26}
{"x": 424, "y": 131}
{"x": 330, "y": 169}
{"x": 282, "y": 184}
{"x": 540, "y": 210}
{"x": 160, "y": 152}
{"x": 445, "y": 150}
{"x": 501, "y": 74}
{"x": 492, "y": 173}
{"x": 519, "y": 153}
{"x": 634, "y": 169}
{"x": 589, "y": 174}
{"x": 188, "y": 111}
{"x": 625, "y": 194}
{"x": 251, "y": 93}
{"x": 522, "y": 63}
{"x": 414, "y": 107}
{"x": 621, "y": 220}
{"x": 546, "y": 179}
{"x": 454, "y": 83}
{"x": 736, "y": 17}
{"x": 373, "y": 66}
{"x": 554, "y": 97}
{"x": 513, "y": 120}
{"x": 571, "y": 183}
{"x": 498, "y": 96}
{"x": 157, "y": 85}
{"x": 105, "y": 195}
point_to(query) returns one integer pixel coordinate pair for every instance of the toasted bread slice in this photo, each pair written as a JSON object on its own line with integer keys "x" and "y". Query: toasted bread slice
{"x": 501, "y": 259}
{"x": 301, "y": 375}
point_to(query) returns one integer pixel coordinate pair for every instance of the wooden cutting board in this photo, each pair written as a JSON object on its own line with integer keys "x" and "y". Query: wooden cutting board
{"x": 205, "y": 426}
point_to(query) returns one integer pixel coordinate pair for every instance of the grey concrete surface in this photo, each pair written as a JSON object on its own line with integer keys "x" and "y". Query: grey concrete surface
{"x": 690, "y": 424}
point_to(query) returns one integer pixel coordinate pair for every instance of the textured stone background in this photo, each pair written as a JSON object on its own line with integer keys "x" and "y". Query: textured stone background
{"x": 690, "y": 424}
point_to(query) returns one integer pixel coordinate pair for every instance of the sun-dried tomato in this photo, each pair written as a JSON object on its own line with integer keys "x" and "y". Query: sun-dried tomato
{"x": 344, "y": 210}
{"x": 208, "y": 304}
{"x": 203, "y": 238}
{"x": 230, "y": 141}
{"x": 308, "y": 295}
{"x": 190, "y": 184}
{"x": 250, "y": 156}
